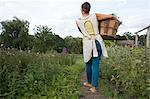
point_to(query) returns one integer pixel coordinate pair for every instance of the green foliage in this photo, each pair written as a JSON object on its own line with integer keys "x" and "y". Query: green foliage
{"x": 73, "y": 44}
{"x": 128, "y": 35}
{"x": 109, "y": 43}
{"x": 127, "y": 71}
{"x": 1, "y": 41}
{"x": 15, "y": 33}
{"x": 46, "y": 40}
{"x": 26, "y": 75}
{"x": 142, "y": 40}
{"x": 66, "y": 84}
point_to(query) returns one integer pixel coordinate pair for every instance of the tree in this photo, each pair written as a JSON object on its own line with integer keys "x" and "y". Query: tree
{"x": 142, "y": 40}
{"x": 59, "y": 43}
{"x": 45, "y": 39}
{"x": 1, "y": 41}
{"x": 128, "y": 35}
{"x": 73, "y": 44}
{"x": 15, "y": 33}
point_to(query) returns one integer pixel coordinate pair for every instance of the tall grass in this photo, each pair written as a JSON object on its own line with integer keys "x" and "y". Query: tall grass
{"x": 126, "y": 72}
{"x": 26, "y": 75}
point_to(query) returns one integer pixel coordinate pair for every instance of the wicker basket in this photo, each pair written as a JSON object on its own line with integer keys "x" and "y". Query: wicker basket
{"x": 109, "y": 27}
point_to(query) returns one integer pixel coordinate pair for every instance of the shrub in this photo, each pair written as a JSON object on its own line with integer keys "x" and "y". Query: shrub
{"x": 127, "y": 70}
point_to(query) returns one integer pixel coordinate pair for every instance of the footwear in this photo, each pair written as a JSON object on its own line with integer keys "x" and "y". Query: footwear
{"x": 93, "y": 89}
{"x": 87, "y": 84}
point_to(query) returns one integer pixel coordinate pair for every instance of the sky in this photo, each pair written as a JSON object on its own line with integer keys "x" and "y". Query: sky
{"x": 61, "y": 15}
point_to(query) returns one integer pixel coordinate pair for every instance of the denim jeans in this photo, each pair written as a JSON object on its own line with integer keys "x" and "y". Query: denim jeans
{"x": 92, "y": 67}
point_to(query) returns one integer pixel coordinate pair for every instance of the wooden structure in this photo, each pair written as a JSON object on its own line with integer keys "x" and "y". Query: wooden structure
{"x": 147, "y": 38}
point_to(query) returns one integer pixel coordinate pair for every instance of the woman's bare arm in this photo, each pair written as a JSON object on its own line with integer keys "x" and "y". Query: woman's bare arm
{"x": 103, "y": 16}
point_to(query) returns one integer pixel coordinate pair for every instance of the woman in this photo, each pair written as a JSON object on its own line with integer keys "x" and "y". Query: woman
{"x": 93, "y": 45}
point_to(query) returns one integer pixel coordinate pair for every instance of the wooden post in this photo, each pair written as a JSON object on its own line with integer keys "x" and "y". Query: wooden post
{"x": 136, "y": 40}
{"x": 148, "y": 38}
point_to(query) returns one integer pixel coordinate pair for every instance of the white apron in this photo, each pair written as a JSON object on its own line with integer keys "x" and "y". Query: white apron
{"x": 89, "y": 37}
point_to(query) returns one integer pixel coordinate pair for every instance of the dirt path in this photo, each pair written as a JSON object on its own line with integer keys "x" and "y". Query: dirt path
{"x": 86, "y": 93}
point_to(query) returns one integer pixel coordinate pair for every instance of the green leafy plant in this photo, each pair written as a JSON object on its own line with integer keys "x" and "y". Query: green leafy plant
{"x": 26, "y": 75}
{"x": 127, "y": 70}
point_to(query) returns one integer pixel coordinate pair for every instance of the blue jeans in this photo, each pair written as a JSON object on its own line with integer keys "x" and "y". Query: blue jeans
{"x": 92, "y": 67}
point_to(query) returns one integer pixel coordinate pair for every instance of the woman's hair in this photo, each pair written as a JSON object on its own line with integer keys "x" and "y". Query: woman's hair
{"x": 86, "y": 7}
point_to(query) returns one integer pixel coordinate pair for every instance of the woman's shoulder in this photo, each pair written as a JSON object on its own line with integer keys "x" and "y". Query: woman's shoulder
{"x": 94, "y": 14}
{"x": 86, "y": 17}
{"x": 78, "y": 20}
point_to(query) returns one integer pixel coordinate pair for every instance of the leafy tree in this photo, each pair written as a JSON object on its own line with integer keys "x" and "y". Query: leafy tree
{"x": 42, "y": 38}
{"x": 15, "y": 33}
{"x": 142, "y": 40}
{"x": 45, "y": 39}
{"x": 59, "y": 43}
{"x": 128, "y": 35}
{"x": 73, "y": 44}
{"x": 1, "y": 41}
{"x": 31, "y": 42}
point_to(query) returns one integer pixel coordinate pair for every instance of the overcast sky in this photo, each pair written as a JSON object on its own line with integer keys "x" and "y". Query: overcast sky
{"x": 60, "y": 15}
